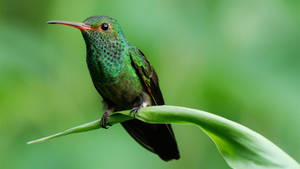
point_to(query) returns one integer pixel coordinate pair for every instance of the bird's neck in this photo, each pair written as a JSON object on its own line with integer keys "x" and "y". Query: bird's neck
{"x": 105, "y": 60}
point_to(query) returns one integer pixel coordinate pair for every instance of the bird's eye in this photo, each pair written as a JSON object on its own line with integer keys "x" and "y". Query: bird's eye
{"x": 105, "y": 26}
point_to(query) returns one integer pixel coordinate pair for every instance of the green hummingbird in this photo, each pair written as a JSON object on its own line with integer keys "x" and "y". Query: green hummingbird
{"x": 125, "y": 79}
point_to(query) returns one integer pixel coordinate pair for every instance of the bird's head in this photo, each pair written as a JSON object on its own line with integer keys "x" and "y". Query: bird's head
{"x": 99, "y": 31}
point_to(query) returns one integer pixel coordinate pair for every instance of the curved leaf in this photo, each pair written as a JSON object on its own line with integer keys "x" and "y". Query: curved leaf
{"x": 241, "y": 147}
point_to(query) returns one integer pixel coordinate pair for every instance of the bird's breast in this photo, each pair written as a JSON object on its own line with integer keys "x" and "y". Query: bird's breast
{"x": 123, "y": 92}
{"x": 118, "y": 83}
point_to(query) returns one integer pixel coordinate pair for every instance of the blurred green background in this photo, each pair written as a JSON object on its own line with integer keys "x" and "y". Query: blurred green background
{"x": 237, "y": 59}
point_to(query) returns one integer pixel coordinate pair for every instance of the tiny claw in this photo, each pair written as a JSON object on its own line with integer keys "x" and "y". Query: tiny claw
{"x": 104, "y": 122}
{"x": 135, "y": 111}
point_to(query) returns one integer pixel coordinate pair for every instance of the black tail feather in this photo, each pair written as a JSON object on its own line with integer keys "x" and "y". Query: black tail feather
{"x": 158, "y": 138}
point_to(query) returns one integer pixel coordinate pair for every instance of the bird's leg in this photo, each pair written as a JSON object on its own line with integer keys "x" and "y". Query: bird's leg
{"x": 143, "y": 100}
{"x": 104, "y": 117}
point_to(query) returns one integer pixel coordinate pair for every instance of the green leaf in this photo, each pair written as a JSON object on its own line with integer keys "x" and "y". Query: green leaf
{"x": 241, "y": 147}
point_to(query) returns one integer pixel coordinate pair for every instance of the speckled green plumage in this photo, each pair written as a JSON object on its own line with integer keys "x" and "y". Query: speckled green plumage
{"x": 116, "y": 80}
{"x": 109, "y": 63}
{"x": 125, "y": 79}
{"x": 106, "y": 52}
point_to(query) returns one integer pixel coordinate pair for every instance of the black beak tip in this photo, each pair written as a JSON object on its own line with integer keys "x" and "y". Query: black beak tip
{"x": 50, "y": 22}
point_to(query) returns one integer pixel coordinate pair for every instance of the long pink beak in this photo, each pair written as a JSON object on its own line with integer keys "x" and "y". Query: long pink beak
{"x": 78, "y": 25}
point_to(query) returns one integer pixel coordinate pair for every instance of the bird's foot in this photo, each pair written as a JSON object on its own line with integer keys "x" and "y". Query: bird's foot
{"x": 136, "y": 110}
{"x": 104, "y": 122}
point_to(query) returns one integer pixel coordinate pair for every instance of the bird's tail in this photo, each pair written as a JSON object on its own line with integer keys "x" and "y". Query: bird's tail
{"x": 158, "y": 138}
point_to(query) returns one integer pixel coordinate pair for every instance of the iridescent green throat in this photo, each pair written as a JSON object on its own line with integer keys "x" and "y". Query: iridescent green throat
{"x": 105, "y": 54}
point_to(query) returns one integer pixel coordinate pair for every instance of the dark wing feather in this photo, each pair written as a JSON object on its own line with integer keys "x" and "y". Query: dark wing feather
{"x": 158, "y": 138}
{"x": 148, "y": 76}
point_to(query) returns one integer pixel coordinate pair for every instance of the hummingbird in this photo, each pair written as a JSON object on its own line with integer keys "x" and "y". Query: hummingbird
{"x": 125, "y": 79}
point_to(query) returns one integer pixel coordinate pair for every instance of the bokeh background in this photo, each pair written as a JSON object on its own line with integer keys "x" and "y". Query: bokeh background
{"x": 237, "y": 59}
